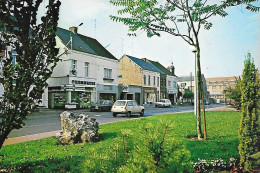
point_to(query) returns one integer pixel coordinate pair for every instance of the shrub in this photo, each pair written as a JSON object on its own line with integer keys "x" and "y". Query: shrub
{"x": 249, "y": 127}
{"x": 151, "y": 151}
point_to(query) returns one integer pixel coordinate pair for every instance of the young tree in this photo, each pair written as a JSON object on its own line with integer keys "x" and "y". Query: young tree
{"x": 180, "y": 18}
{"x": 249, "y": 127}
{"x": 32, "y": 47}
{"x": 234, "y": 94}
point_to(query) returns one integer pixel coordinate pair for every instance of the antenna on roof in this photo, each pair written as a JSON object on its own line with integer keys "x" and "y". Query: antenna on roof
{"x": 95, "y": 25}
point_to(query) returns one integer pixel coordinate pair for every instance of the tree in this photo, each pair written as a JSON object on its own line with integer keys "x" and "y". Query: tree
{"x": 32, "y": 47}
{"x": 234, "y": 94}
{"x": 188, "y": 94}
{"x": 180, "y": 18}
{"x": 249, "y": 127}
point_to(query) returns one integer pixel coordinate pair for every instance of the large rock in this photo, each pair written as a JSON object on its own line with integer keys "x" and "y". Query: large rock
{"x": 77, "y": 129}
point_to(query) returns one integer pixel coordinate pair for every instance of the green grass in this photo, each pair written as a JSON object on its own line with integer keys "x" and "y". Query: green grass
{"x": 47, "y": 155}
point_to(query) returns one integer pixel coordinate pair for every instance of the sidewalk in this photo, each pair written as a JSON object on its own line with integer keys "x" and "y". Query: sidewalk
{"x": 29, "y": 138}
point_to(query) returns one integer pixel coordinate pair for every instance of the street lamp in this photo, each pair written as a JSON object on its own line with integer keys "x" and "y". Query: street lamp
{"x": 194, "y": 50}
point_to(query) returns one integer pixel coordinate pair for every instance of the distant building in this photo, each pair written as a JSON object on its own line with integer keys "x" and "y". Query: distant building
{"x": 140, "y": 80}
{"x": 86, "y": 73}
{"x": 217, "y": 85}
{"x": 168, "y": 85}
{"x": 188, "y": 83}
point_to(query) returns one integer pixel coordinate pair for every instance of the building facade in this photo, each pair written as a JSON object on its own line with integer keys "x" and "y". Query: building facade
{"x": 86, "y": 73}
{"x": 139, "y": 80}
{"x": 168, "y": 85}
{"x": 217, "y": 85}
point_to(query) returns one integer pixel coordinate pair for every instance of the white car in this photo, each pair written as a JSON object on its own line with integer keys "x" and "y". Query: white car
{"x": 127, "y": 107}
{"x": 163, "y": 103}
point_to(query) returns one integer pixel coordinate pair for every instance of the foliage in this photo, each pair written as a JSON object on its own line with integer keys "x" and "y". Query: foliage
{"x": 234, "y": 94}
{"x": 47, "y": 155}
{"x": 214, "y": 165}
{"x": 32, "y": 47}
{"x": 249, "y": 127}
{"x": 188, "y": 94}
{"x": 180, "y": 18}
{"x": 149, "y": 153}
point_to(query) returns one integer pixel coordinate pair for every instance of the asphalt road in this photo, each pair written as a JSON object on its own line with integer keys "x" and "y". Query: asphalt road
{"x": 49, "y": 120}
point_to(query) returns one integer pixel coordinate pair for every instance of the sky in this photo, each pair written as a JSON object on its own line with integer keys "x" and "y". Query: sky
{"x": 223, "y": 47}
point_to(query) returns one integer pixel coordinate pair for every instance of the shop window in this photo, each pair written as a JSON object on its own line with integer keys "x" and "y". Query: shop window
{"x": 86, "y": 69}
{"x": 107, "y": 73}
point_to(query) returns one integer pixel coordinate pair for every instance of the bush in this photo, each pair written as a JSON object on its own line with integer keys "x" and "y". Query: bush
{"x": 152, "y": 151}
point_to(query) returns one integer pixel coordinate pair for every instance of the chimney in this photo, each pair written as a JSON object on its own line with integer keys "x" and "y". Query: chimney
{"x": 73, "y": 29}
{"x": 173, "y": 70}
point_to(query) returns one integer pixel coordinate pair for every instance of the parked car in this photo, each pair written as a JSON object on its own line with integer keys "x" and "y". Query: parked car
{"x": 163, "y": 103}
{"x": 127, "y": 107}
{"x": 102, "y": 105}
{"x": 206, "y": 102}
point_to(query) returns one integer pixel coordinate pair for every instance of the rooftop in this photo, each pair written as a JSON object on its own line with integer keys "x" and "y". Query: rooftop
{"x": 83, "y": 43}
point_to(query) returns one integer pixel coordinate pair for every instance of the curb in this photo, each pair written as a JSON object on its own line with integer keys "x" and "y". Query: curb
{"x": 34, "y": 137}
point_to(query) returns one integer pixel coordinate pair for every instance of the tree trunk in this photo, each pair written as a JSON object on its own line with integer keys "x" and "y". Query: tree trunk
{"x": 3, "y": 136}
{"x": 203, "y": 112}
{"x": 198, "y": 79}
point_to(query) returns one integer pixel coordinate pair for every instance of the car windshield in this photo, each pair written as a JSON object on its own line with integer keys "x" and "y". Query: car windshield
{"x": 120, "y": 103}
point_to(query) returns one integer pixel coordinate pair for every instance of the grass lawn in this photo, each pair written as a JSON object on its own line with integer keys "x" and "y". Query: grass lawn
{"x": 47, "y": 155}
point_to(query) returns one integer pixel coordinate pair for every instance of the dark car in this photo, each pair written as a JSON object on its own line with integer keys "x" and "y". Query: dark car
{"x": 102, "y": 105}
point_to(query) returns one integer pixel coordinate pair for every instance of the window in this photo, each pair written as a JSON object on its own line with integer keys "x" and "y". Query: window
{"x": 107, "y": 73}
{"x": 86, "y": 69}
{"x": 149, "y": 80}
{"x": 73, "y": 70}
{"x": 174, "y": 85}
{"x": 73, "y": 64}
{"x": 169, "y": 83}
{"x": 158, "y": 81}
{"x": 130, "y": 103}
{"x": 144, "y": 80}
{"x": 154, "y": 81}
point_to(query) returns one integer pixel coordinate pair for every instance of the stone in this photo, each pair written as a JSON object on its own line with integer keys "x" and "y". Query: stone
{"x": 77, "y": 129}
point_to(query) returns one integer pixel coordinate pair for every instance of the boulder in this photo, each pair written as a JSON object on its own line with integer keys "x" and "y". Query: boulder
{"x": 77, "y": 129}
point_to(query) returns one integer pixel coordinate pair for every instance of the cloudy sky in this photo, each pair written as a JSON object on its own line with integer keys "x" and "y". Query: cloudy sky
{"x": 223, "y": 47}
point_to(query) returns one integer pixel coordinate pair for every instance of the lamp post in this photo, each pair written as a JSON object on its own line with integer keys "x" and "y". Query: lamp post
{"x": 194, "y": 50}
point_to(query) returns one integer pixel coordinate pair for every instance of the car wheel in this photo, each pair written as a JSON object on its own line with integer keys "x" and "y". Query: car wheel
{"x": 114, "y": 114}
{"x": 142, "y": 113}
{"x": 156, "y": 106}
{"x": 128, "y": 114}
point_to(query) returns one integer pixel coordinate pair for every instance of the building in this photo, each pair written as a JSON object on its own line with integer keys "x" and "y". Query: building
{"x": 140, "y": 80}
{"x": 216, "y": 87}
{"x": 168, "y": 85}
{"x": 86, "y": 73}
{"x": 188, "y": 83}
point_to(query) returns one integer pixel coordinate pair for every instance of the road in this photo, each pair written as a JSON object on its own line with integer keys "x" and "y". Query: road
{"x": 49, "y": 120}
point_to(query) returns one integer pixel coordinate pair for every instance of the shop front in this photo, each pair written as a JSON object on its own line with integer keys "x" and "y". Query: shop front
{"x": 150, "y": 95}
{"x": 172, "y": 96}
{"x": 130, "y": 92}
{"x": 107, "y": 92}
{"x": 71, "y": 96}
